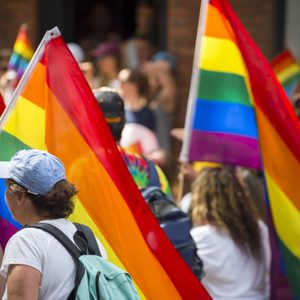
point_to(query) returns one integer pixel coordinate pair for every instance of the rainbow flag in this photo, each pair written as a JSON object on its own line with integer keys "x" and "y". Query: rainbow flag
{"x": 220, "y": 110}
{"x": 230, "y": 78}
{"x": 22, "y": 53}
{"x": 287, "y": 71}
{"x": 54, "y": 109}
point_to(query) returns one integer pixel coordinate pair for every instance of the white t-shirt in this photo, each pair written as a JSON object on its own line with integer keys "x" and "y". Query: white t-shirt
{"x": 40, "y": 250}
{"x": 139, "y": 137}
{"x": 229, "y": 273}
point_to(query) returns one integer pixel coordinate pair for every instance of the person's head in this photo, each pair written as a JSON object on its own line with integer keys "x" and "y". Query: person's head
{"x": 144, "y": 48}
{"x": 133, "y": 84}
{"x": 164, "y": 60}
{"x": 219, "y": 199}
{"x": 112, "y": 106}
{"x": 36, "y": 185}
{"x": 77, "y": 52}
{"x": 145, "y": 16}
{"x": 107, "y": 56}
{"x": 99, "y": 19}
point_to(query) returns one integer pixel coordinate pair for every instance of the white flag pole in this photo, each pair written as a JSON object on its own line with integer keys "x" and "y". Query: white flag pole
{"x": 184, "y": 154}
{"x": 50, "y": 34}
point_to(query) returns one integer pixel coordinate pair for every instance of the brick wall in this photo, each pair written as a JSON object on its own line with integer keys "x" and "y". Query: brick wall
{"x": 12, "y": 14}
{"x": 256, "y": 15}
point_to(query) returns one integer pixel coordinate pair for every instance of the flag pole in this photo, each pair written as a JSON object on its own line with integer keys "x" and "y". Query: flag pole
{"x": 50, "y": 34}
{"x": 184, "y": 154}
{"x": 194, "y": 81}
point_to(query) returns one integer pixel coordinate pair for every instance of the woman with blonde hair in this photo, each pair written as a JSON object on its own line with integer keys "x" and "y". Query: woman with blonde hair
{"x": 231, "y": 239}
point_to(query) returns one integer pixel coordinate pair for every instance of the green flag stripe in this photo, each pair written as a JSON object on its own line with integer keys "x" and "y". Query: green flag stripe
{"x": 223, "y": 87}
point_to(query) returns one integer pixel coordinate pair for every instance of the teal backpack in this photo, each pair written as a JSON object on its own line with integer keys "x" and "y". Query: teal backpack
{"x": 96, "y": 278}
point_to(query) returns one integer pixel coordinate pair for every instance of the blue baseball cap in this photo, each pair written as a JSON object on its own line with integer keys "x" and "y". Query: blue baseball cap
{"x": 165, "y": 56}
{"x": 35, "y": 170}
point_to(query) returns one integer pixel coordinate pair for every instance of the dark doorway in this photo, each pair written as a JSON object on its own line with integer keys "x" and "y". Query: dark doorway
{"x": 98, "y": 19}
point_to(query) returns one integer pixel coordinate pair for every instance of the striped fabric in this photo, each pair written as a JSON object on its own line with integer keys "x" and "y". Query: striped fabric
{"x": 22, "y": 53}
{"x": 223, "y": 120}
{"x": 56, "y": 111}
{"x": 233, "y": 76}
{"x": 287, "y": 71}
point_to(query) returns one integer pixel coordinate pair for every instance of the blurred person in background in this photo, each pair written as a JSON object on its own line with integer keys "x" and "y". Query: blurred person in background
{"x": 163, "y": 90}
{"x": 231, "y": 238}
{"x": 112, "y": 105}
{"x": 137, "y": 52}
{"x": 98, "y": 26}
{"x": 77, "y": 52}
{"x": 87, "y": 69}
{"x": 108, "y": 62}
{"x": 145, "y": 20}
{"x": 8, "y": 84}
{"x": 139, "y": 133}
{"x": 134, "y": 90}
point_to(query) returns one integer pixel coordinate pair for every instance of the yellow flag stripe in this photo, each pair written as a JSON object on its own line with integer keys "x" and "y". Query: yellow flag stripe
{"x": 223, "y": 55}
{"x": 286, "y": 217}
{"x": 27, "y": 123}
{"x": 287, "y": 73}
{"x": 22, "y": 49}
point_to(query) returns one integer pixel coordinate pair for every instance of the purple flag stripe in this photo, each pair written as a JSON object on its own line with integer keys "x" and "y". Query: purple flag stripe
{"x": 224, "y": 148}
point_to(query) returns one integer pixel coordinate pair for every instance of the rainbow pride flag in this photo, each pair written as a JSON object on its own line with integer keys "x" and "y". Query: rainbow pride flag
{"x": 54, "y": 109}
{"x": 220, "y": 110}
{"x": 22, "y": 53}
{"x": 230, "y": 78}
{"x": 287, "y": 70}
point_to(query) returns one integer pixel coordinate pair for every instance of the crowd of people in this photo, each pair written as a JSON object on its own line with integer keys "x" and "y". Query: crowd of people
{"x": 228, "y": 223}
{"x": 148, "y": 91}
{"x": 135, "y": 86}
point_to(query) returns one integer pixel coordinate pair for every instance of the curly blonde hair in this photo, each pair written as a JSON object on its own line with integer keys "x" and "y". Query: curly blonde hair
{"x": 220, "y": 200}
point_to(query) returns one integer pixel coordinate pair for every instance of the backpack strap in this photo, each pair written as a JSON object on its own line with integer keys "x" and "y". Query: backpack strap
{"x": 61, "y": 237}
{"x": 153, "y": 175}
{"x": 69, "y": 246}
{"x": 86, "y": 233}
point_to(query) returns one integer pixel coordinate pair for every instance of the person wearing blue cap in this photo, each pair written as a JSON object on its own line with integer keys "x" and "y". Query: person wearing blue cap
{"x": 163, "y": 88}
{"x": 35, "y": 265}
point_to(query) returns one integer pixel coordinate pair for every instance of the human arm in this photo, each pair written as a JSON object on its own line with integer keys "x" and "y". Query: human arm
{"x": 22, "y": 251}
{"x": 23, "y": 282}
{"x": 165, "y": 86}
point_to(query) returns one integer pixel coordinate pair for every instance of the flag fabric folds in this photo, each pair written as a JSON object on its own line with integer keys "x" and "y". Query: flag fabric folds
{"x": 54, "y": 109}
{"x": 22, "y": 53}
{"x": 231, "y": 77}
{"x": 287, "y": 71}
{"x": 222, "y": 115}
